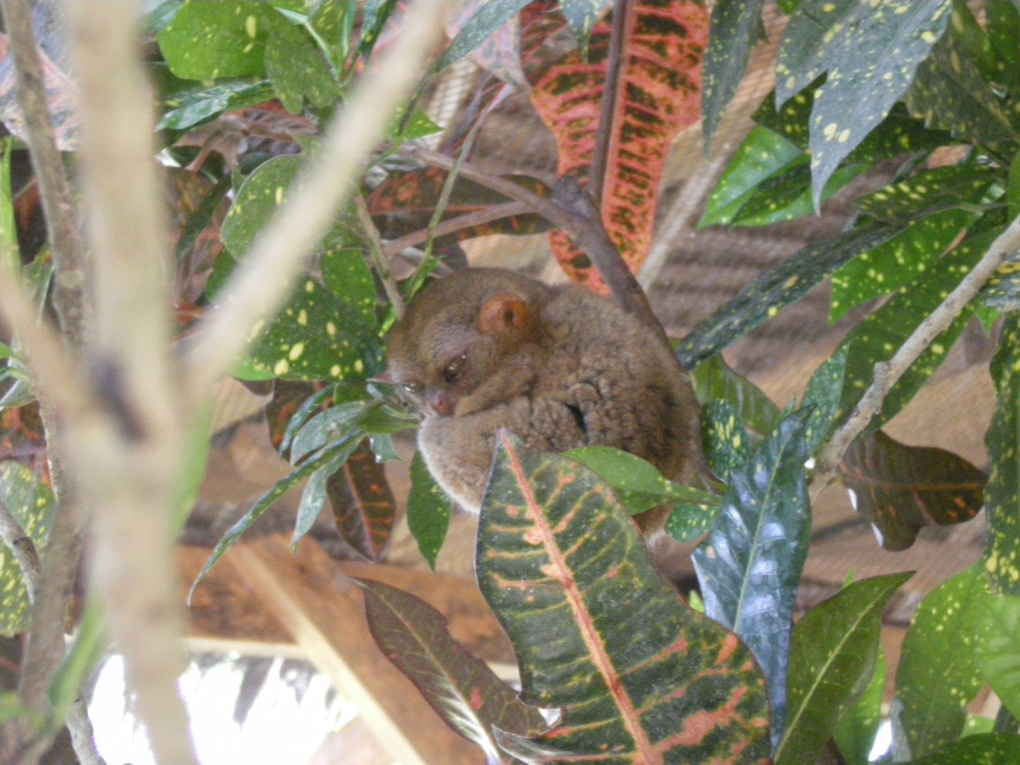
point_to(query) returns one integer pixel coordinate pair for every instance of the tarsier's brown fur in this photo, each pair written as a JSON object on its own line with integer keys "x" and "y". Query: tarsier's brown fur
{"x": 559, "y": 367}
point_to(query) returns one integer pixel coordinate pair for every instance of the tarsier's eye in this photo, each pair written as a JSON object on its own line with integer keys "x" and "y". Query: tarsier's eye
{"x": 414, "y": 388}
{"x": 453, "y": 370}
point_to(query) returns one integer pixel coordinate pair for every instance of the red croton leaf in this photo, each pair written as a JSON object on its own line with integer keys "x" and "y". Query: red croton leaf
{"x": 363, "y": 504}
{"x": 658, "y": 94}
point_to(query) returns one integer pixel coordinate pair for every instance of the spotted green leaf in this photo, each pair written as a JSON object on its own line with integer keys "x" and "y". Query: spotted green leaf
{"x": 428, "y": 511}
{"x": 207, "y": 41}
{"x": 733, "y": 33}
{"x": 788, "y": 196}
{"x": 715, "y": 379}
{"x": 929, "y": 191}
{"x": 298, "y": 70}
{"x": 1003, "y": 28}
{"x": 763, "y": 154}
{"x": 750, "y": 564}
{"x": 832, "y": 658}
{"x": 599, "y": 635}
{"x": 997, "y": 653}
{"x": 857, "y": 729}
{"x": 869, "y": 52}
{"x": 982, "y": 749}
{"x": 1002, "y": 496}
{"x": 31, "y": 504}
{"x": 951, "y": 93}
{"x": 777, "y": 288}
{"x": 346, "y": 274}
{"x": 1002, "y": 291}
{"x": 726, "y": 442}
{"x": 896, "y": 262}
{"x": 938, "y": 673}
{"x": 821, "y": 397}
{"x": 901, "y": 489}
{"x": 460, "y": 687}
{"x": 186, "y": 108}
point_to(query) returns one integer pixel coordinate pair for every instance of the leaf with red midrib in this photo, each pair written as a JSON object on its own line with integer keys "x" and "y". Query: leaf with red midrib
{"x": 363, "y": 504}
{"x": 658, "y": 95}
{"x": 638, "y": 675}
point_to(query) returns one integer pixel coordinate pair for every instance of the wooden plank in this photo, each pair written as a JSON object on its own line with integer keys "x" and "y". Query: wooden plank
{"x": 318, "y": 604}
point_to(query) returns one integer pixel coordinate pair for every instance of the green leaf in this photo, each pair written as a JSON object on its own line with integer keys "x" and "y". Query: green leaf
{"x": 726, "y": 442}
{"x": 299, "y": 70}
{"x": 896, "y": 262}
{"x": 715, "y": 379}
{"x": 599, "y": 634}
{"x": 10, "y": 257}
{"x": 997, "y": 655}
{"x": 938, "y": 673}
{"x": 788, "y": 196}
{"x": 1002, "y": 496}
{"x": 950, "y": 93}
{"x": 762, "y": 155}
{"x": 31, "y": 504}
{"x": 458, "y": 686}
{"x": 1003, "y": 28}
{"x": 334, "y": 424}
{"x": 777, "y": 288}
{"x": 487, "y": 18}
{"x": 187, "y": 108}
{"x": 984, "y": 749}
{"x": 428, "y": 511}
{"x": 313, "y": 497}
{"x": 821, "y": 397}
{"x": 832, "y": 659}
{"x": 901, "y": 489}
{"x": 858, "y": 727}
{"x": 929, "y": 191}
{"x": 733, "y": 33}
{"x": 346, "y": 274}
{"x": 869, "y": 52}
{"x": 749, "y": 567}
{"x": 207, "y": 41}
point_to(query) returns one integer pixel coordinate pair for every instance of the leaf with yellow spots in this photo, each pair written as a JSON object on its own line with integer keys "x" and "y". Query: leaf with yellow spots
{"x": 638, "y": 675}
{"x": 951, "y": 93}
{"x": 346, "y": 274}
{"x": 901, "y": 489}
{"x": 1002, "y": 291}
{"x": 298, "y": 70}
{"x": 869, "y": 52}
{"x": 997, "y": 651}
{"x": 31, "y": 504}
{"x": 749, "y": 566}
{"x": 187, "y": 107}
{"x": 788, "y": 196}
{"x": 938, "y": 674}
{"x": 458, "y": 686}
{"x": 981, "y": 749}
{"x": 832, "y": 657}
{"x": 727, "y": 443}
{"x": 1002, "y": 493}
{"x": 714, "y": 379}
{"x": 897, "y": 262}
{"x": 929, "y": 191}
{"x": 207, "y": 41}
{"x": 822, "y": 396}
{"x": 775, "y": 289}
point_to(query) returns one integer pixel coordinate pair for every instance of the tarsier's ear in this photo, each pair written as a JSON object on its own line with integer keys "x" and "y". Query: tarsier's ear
{"x": 502, "y": 313}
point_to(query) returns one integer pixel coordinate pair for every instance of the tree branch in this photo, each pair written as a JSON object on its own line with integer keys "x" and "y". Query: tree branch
{"x": 283, "y": 246}
{"x": 623, "y": 23}
{"x": 452, "y": 225}
{"x": 377, "y": 252}
{"x": 888, "y": 373}
{"x": 22, "y": 548}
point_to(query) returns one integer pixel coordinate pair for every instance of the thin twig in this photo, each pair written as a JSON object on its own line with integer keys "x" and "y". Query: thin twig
{"x": 377, "y": 252}
{"x": 284, "y": 245}
{"x": 452, "y": 225}
{"x": 54, "y": 189}
{"x": 888, "y": 373}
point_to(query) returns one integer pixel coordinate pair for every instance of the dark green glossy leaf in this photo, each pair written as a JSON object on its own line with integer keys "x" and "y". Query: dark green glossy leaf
{"x": 487, "y": 18}
{"x": 749, "y": 567}
{"x": 1002, "y": 495}
{"x": 299, "y": 70}
{"x": 1003, "y": 28}
{"x": 258, "y": 199}
{"x": 599, "y": 635}
{"x": 726, "y": 442}
{"x": 938, "y": 673}
{"x": 777, "y": 288}
{"x": 207, "y": 41}
{"x": 31, "y": 504}
{"x": 901, "y": 489}
{"x": 188, "y": 108}
{"x": 763, "y": 154}
{"x": 733, "y": 33}
{"x": 832, "y": 658}
{"x": 459, "y": 687}
{"x": 897, "y": 262}
{"x": 333, "y": 24}
{"x": 858, "y": 727}
{"x": 997, "y": 654}
{"x": 788, "y": 196}
{"x": 983, "y": 749}
{"x": 313, "y": 496}
{"x": 929, "y": 191}
{"x": 950, "y": 93}
{"x": 346, "y": 274}
{"x": 869, "y": 52}
{"x": 428, "y": 511}
{"x": 714, "y": 379}
{"x": 337, "y": 422}
{"x": 822, "y": 396}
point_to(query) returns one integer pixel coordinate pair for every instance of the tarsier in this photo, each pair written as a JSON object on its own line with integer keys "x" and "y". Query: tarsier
{"x": 559, "y": 367}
